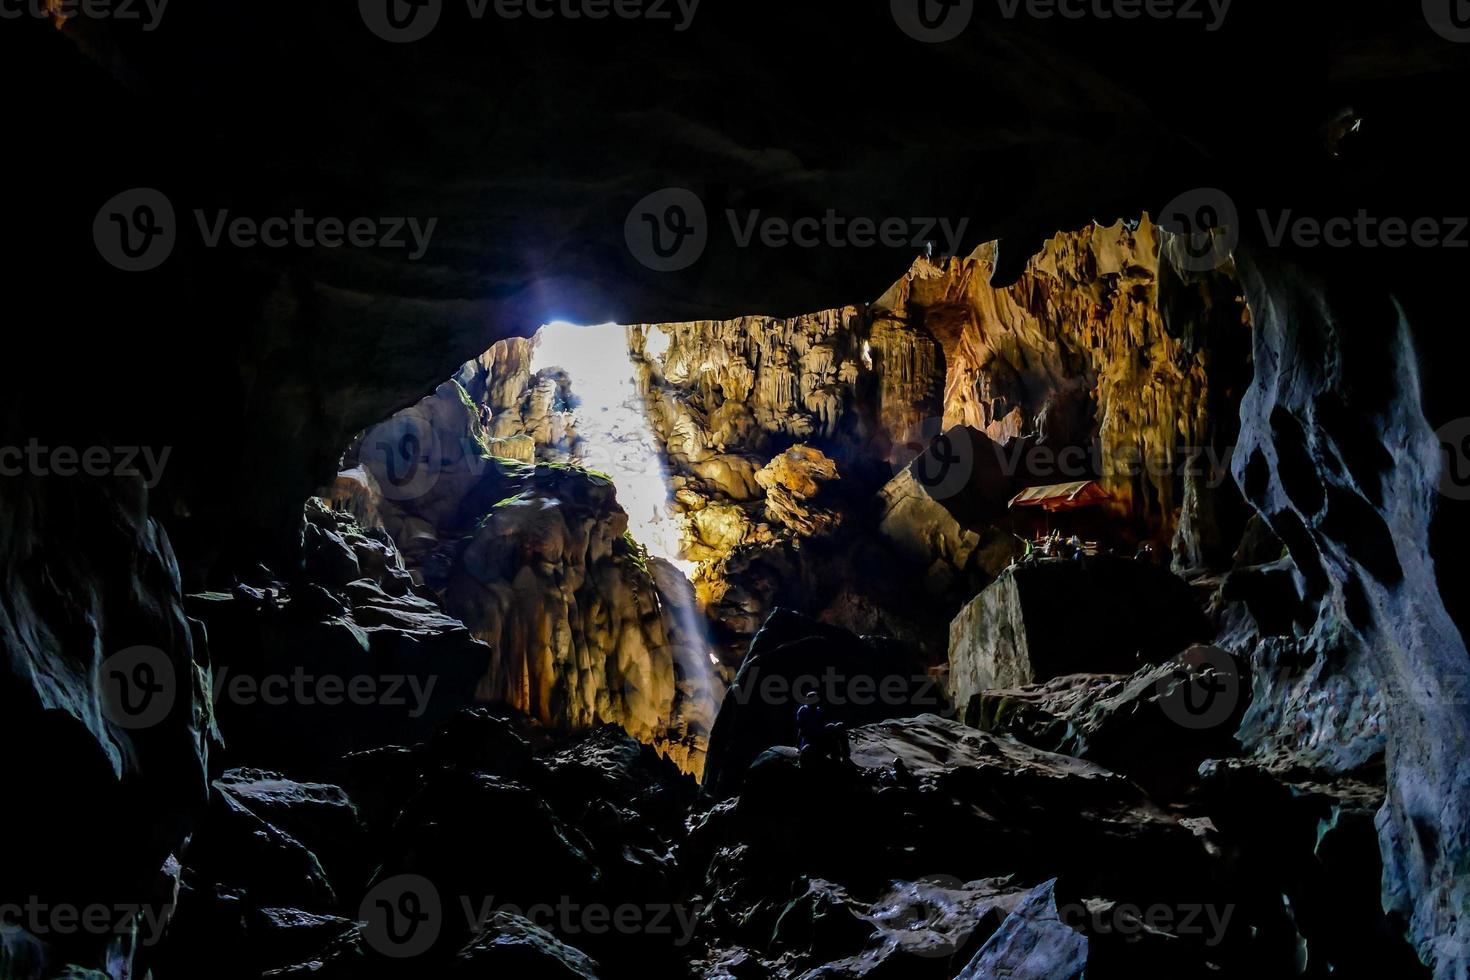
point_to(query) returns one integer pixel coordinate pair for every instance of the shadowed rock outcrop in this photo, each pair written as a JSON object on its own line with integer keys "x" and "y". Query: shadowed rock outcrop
{"x": 1049, "y": 617}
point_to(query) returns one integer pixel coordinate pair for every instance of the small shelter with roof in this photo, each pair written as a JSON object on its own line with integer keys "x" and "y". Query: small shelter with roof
{"x": 1069, "y": 508}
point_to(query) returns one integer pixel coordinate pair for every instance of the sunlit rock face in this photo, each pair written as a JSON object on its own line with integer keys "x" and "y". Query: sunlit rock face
{"x": 583, "y": 632}
{"x": 1076, "y": 353}
{"x": 585, "y": 626}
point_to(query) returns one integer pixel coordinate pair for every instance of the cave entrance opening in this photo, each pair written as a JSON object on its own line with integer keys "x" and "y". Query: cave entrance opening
{"x": 607, "y": 411}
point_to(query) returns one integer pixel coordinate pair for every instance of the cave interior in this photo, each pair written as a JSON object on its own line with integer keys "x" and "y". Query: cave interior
{"x": 915, "y": 489}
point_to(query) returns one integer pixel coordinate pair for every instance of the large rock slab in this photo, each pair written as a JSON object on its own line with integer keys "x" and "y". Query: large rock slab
{"x": 857, "y": 680}
{"x": 1042, "y": 619}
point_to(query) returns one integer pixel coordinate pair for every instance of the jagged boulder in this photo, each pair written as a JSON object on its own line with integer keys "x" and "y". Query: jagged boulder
{"x": 793, "y": 482}
{"x": 1156, "y": 725}
{"x": 1041, "y": 619}
{"x": 309, "y": 670}
{"x": 932, "y": 815}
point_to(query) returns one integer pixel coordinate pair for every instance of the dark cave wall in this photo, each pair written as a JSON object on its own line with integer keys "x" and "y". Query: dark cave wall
{"x": 1338, "y": 456}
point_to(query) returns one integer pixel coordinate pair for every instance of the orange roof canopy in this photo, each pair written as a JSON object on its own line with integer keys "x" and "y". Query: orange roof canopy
{"x": 1062, "y": 496}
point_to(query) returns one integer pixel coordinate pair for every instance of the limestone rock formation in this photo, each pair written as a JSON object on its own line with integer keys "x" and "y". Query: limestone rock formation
{"x": 1077, "y": 354}
{"x": 583, "y": 628}
{"x": 793, "y": 481}
{"x": 582, "y": 632}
